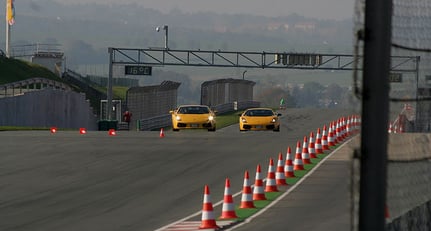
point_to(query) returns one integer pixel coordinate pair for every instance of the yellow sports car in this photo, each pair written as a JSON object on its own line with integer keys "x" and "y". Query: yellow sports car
{"x": 192, "y": 117}
{"x": 259, "y": 119}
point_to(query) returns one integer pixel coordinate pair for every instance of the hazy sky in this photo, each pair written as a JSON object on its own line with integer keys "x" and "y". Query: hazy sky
{"x": 321, "y": 9}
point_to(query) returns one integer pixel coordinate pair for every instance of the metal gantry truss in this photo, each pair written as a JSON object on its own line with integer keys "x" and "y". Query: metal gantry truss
{"x": 159, "y": 57}
{"x": 243, "y": 59}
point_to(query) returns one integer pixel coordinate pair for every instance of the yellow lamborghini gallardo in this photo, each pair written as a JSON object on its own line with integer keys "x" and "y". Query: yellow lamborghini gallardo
{"x": 193, "y": 117}
{"x": 259, "y": 119}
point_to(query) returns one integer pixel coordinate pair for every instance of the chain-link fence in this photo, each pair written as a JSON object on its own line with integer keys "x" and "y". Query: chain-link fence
{"x": 408, "y": 192}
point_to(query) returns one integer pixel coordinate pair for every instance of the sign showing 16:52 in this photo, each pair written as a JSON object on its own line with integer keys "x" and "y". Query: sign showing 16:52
{"x": 137, "y": 70}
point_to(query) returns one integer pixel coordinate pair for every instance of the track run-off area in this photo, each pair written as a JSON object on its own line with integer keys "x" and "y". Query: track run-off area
{"x": 140, "y": 181}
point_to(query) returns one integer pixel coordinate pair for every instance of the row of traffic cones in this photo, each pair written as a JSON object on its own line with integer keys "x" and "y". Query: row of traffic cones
{"x": 275, "y": 177}
{"x": 83, "y": 131}
{"x": 333, "y": 134}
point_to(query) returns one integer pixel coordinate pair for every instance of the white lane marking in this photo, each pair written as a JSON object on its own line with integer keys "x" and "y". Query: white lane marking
{"x": 263, "y": 209}
{"x": 249, "y": 219}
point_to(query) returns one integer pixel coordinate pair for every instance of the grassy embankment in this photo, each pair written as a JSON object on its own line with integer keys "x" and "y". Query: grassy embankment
{"x": 14, "y": 70}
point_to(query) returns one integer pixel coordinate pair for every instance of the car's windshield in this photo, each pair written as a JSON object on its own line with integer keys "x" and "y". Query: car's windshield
{"x": 259, "y": 113}
{"x": 193, "y": 110}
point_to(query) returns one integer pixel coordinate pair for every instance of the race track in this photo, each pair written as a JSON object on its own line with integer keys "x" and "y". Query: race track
{"x": 134, "y": 180}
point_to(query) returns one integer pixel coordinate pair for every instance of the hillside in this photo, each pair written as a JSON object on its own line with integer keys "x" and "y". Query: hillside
{"x": 12, "y": 70}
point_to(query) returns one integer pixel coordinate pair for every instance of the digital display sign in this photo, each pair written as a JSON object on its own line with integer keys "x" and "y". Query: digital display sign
{"x": 137, "y": 70}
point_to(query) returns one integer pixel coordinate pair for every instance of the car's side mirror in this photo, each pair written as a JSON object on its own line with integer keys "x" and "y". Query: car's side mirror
{"x": 171, "y": 112}
{"x": 279, "y": 114}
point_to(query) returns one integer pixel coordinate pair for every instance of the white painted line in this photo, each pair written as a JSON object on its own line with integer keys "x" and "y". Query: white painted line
{"x": 249, "y": 219}
{"x": 166, "y": 227}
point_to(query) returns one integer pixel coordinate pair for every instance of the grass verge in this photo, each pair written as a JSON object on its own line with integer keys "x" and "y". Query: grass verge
{"x": 271, "y": 196}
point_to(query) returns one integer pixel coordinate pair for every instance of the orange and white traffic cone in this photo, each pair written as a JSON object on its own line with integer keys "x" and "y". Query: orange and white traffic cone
{"x": 343, "y": 127}
{"x": 311, "y": 149}
{"x": 247, "y": 197}
{"x": 354, "y": 125}
{"x": 358, "y": 123}
{"x": 305, "y": 154}
{"x": 228, "y": 208}
{"x": 208, "y": 221}
{"x": 336, "y": 131}
{"x": 318, "y": 144}
{"x": 390, "y": 128}
{"x": 325, "y": 145}
{"x": 348, "y": 126}
{"x": 271, "y": 186}
{"x": 331, "y": 138}
{"x": 288, "y": 166}
{"x": 258, "y": 191}
{"x": 162, "y": 133}
{"x": 280, "y": 178}
{"x": 297, "y": 162}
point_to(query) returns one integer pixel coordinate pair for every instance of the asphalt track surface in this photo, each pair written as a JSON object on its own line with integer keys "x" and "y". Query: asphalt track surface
{"x": 139, "y": 181}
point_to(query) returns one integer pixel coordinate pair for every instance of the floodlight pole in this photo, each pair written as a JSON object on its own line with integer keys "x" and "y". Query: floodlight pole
{"x": 7, "y": 39}
{"x": 165, "y": 27}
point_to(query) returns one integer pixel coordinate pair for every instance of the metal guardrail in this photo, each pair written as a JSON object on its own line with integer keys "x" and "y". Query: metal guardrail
{"x": 234, "y": 106}
{"x": 162, "y": 121}
{"x": 155, "y": 122}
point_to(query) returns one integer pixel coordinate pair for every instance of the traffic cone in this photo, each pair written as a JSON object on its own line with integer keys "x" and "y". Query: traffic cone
{"x": 348, "y": 126}
{"x": 82, "y": 131}
{"x": 208, "y": 221}
{"x": 305, "y": 154}
{"x": 355, "y": 125}
{"x": 112, "y": 132}
{"x": 53, "y": 129}
{"x": 331, "y": 138}
{"x": 311, "y": 149}
{"x": 343, "y": 128}
{"x": 280, "y": 178}
{"x": 297, "y": 162}
{"x": 271, "y": 186}
{"x": 258, "y": 192}
{"x": 288, "y": 166}
{"x": 337, "y": 132}
{"x": 325, "y": 138}
{"x": 358, "y": 123}
{"x": 390, "y": 128}
{"x": 318, "y": 145}
{"x": 246, "y": 198}
{"x": 228, "y": 208}
{"x": 162, "y": 133}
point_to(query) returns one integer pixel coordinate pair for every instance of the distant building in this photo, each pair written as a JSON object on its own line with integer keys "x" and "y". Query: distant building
{"x": 51, "y": 60}
{"x": 224, "y": 91}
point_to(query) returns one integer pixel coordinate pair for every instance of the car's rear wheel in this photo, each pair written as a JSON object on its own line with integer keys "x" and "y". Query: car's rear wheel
{"x": 212, "y": 129}
{"x": 175, "y": 130}
{"x": 276, "y": 129}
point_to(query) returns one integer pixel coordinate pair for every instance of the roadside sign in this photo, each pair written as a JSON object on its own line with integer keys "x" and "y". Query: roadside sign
{"x": 395, "y": 77}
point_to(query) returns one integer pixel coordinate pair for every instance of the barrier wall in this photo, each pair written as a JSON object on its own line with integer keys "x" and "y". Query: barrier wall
{"x": 409, "y": 181}
{"x": 47, "y": 107}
